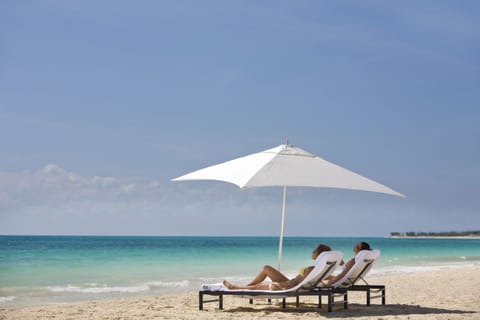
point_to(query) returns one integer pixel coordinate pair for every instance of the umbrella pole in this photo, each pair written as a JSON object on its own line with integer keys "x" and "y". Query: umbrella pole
{"x": 280, "y": 245}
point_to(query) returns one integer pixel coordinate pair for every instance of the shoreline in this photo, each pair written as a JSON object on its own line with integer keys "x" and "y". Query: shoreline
{"x": 441, "y": 294}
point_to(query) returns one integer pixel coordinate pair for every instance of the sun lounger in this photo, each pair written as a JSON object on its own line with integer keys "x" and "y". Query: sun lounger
{"x": 323, "y": 267}
{"x": 363, "y": 264}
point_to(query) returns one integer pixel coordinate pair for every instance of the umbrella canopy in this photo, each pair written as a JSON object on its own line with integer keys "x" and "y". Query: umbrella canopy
{"x": 284, "y": 166}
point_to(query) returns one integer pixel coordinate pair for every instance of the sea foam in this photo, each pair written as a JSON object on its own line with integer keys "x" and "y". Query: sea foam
{"x": 75, "y": 289}
{"x": 388, "y": 270}
{"x": 6, "y": 299}
{"x": 165, "y": 284}
{"x": 98, "y": 288}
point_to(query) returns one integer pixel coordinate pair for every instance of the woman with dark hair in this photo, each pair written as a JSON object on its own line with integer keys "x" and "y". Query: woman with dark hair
{"x": 356, "y": 249}
{"x": 279, "y": 281}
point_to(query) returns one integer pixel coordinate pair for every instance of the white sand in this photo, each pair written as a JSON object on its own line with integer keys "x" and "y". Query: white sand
{"x": 444, "y": 294}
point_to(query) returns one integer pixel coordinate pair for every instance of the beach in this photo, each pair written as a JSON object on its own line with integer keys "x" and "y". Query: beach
{"x": 442, "y": 294}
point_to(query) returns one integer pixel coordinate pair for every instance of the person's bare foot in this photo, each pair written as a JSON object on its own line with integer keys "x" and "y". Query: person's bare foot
{"x": 228, "y": 285}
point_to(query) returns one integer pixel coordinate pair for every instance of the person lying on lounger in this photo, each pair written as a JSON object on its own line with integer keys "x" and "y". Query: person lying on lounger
{"x": 279, "y": 281}
{"x": 347, "y": 266}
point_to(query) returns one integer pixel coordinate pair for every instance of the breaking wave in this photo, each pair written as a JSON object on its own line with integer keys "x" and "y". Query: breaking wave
{"x": 6, "y": 299}
{"x": 99, "y": 289}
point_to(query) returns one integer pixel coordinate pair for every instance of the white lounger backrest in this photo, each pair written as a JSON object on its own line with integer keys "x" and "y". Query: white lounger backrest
{"x": 324, "y": 265}
{"x": 364, "y": 261}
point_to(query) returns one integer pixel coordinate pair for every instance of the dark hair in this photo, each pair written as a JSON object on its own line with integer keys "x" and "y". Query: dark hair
{"x": 363, "y": 246}
{"x": 322, "y": 248}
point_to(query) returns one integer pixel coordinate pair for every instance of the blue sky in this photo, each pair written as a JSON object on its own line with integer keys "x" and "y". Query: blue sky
{"x": 102, "y": 103}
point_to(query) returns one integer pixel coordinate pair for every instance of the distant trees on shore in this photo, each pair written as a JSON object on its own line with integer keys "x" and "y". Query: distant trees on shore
{"x": 475, "y": 233}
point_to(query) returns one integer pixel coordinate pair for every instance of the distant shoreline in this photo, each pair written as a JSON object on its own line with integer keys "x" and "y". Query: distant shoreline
{"x": 467, "y": 234}
{"x": 435, "y": 237}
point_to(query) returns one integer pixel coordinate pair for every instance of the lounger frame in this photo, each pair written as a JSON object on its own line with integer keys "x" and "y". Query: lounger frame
{"x": 350, "y": 285}
{"x": 328, "y": 291}
{"x": 339, "y": 289}
{"x": 369, "y": 289}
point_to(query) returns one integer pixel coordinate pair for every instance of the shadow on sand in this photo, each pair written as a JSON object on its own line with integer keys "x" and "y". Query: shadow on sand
{"x": 354, "y": 310}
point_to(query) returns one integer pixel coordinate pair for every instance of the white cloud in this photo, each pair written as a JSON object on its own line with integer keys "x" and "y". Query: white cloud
{"x": 53, "y": 200}
{"x": 53, "y": 186}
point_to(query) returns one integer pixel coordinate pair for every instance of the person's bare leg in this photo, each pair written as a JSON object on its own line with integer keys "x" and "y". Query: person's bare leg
{"x": 257, "y": 283}
{"x": 268, "y": 271}
{"x": 258, "y": 286}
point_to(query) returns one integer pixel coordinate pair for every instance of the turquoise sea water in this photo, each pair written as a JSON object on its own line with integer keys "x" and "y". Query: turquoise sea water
{"x": 44, "y": 269}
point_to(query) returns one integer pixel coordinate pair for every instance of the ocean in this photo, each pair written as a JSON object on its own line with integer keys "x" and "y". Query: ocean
{"x": 57, "y": 269}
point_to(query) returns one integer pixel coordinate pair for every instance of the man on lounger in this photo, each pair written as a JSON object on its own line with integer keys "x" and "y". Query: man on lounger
{"x": 356, "y": 249}
{"x": 279, "y": 281}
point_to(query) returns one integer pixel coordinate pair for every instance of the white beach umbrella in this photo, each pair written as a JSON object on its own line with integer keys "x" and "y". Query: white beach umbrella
{"x": 286, "y": 166}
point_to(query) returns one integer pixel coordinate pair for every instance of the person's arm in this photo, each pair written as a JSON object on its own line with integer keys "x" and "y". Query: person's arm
{"x": 292, "y": 283}
{"x": 307, "y": 271}
{"x": 347, "y": 267}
